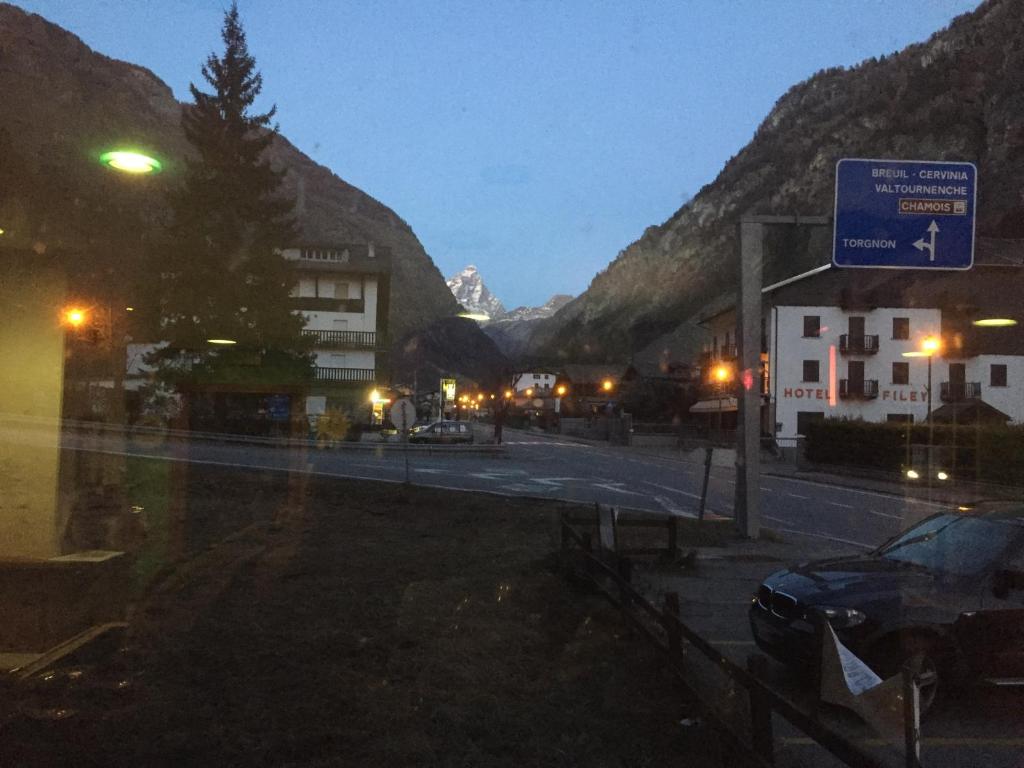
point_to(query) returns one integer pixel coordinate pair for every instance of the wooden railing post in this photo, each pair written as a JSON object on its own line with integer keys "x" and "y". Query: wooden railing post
{"x": 708, "y": 453}
{"x": 670, "y": 616}
{"x": 761, "y": 733}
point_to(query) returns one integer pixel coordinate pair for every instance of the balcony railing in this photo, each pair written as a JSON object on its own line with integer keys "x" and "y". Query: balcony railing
{"x": 955, "y": 391}
{"x": 858, "y": 345}
{"x": 342, "y": 339}
{"x": 321, "y": 304}
{"x": 344, "y": 374}
{"x": 866, "y": 389}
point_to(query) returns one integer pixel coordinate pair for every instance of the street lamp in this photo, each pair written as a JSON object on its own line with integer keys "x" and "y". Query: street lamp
{"x": 74, "y": 317}
{"x": 930, "y": 346}
{"x": 128, "y": 161}
{"x": 607, "y": 385}
{"x": 721, "y": 375}
{"x": 561, "y": 390}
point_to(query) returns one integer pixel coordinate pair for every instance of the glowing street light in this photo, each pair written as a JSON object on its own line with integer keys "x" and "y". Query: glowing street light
{"x": 222, "y": 342}
{"x": 721, "y": 373}
{"x": 607, "y": 385}
{"x": 508, "y": 394}
{"x": 930, "y": 346}
{"x": 74, "y": 317}
{"x": 128, "y": 161}
{"x": 375, "y": 397}
{"x": 985, "y": 322}
{"x": 529, "y": 392}
{"x": 561, "y": 390}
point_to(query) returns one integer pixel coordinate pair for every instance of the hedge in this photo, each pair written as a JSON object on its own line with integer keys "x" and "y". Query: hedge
{"x": 993, "y": 453}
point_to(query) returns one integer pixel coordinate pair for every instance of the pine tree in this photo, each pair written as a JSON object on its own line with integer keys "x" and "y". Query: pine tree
{"x": 221, "y": 272}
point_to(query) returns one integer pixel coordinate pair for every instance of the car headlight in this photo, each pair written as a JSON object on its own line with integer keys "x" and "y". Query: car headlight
{"x": 841, "y": 618}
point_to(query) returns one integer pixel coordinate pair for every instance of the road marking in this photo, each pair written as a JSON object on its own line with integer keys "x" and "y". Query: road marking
{"x": 890, "y": 496}
{"x": 674, "y": 490}
{"x": 611, "y": 486}
{"x": 844, "y": 506}
{"x": 795, "y": 495}
{"x": 434, "y": 471}
{"x": 816, "y": 535}
{"x": 673, "y": 509}
{"x": 766, "y": 490}
{"x": 883, "y": 514}
{"x": 498, "y": 474}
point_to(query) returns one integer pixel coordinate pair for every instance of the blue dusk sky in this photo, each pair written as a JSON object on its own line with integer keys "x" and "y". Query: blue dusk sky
{"x": 535, "y": 139}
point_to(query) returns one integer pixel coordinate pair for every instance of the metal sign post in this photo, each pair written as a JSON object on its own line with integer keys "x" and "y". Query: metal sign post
{"x": 748, "y": 382}
{"x": 403, "y": 416}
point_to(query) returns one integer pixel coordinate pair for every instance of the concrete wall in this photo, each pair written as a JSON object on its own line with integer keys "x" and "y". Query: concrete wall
{"x": 32, "y": 348}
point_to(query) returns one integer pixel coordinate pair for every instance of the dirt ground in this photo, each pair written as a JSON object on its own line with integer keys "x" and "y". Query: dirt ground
{"x": 362, "y": 624}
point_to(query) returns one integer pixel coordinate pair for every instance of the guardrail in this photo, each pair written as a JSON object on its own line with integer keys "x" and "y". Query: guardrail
{"x": 664, "y": 628}
{"x": 280, "y": 442}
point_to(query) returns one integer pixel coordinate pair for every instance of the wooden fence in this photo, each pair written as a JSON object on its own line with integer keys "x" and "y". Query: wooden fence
{"x": 664, "y": 628}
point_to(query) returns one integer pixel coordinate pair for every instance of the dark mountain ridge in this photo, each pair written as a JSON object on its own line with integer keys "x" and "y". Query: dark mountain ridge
{"x": 955, "y": 97}
{"x": 63, "y": 104}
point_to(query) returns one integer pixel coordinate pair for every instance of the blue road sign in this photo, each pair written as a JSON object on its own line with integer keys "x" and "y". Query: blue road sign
{"x": 904, "y": 214}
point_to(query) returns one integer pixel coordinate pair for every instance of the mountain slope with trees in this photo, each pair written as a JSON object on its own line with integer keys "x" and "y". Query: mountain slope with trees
{"x": 955, "y": 97}
{"x": 64, "y": 104}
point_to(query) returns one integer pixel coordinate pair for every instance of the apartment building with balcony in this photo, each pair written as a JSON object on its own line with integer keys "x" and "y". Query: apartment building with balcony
{"x": 835, "y": 344}
{"x": 342, "y": 291}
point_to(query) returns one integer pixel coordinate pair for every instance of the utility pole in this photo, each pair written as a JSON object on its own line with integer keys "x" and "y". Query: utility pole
{"x": 748, "y": 381}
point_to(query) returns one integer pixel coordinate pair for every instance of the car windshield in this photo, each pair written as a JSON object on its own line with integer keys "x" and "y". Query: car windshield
{"x": 961, "y": 546}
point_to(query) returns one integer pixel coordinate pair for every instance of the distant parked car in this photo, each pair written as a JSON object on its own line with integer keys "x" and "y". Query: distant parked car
{"x": 947, "y": 594}
{"x": 442, "y": 432}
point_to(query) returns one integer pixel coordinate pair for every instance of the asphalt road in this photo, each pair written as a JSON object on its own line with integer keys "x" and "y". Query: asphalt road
{"x": 551, "y": 467}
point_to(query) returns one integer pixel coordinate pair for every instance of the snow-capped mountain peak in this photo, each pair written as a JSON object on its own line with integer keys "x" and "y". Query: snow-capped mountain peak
{"x": 469, "y": 290}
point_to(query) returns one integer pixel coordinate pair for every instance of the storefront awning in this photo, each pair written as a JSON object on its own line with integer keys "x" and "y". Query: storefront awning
{"x": 715, "y": 405}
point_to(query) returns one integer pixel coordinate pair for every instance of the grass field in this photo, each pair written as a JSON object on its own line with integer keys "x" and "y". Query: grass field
{"x": 351, "y": 623}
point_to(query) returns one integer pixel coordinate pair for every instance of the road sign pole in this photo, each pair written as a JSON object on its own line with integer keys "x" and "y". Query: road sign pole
{"x": 748, "y": 389}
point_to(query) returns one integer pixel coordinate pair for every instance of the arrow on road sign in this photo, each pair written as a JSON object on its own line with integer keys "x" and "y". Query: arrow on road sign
{"x": 921, "y": 245}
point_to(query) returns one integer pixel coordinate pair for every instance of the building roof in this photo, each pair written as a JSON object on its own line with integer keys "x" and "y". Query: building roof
{"x": 969, "y": 412}
{"x": 340, "y": 257}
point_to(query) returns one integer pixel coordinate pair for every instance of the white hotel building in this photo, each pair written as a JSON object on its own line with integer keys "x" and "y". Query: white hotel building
{"x": 834, "y": 343}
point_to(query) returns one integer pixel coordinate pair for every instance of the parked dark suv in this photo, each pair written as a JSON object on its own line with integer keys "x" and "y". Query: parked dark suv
{"x": 948, "y": 592}
{"x": 442, "y": 432}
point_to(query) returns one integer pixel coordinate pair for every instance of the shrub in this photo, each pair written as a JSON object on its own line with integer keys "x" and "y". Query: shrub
{"x": 986, "y": 452}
